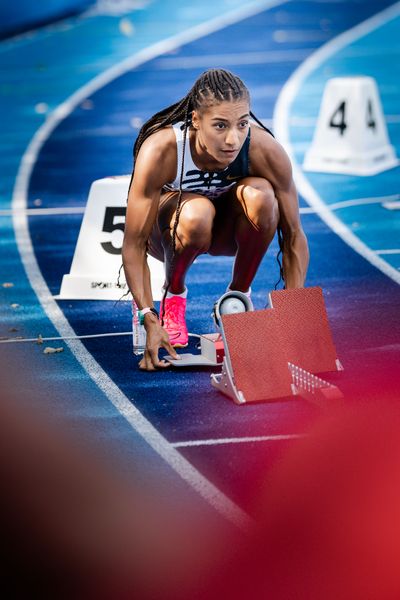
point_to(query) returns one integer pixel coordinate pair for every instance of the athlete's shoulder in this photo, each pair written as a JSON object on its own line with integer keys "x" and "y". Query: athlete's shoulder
{"x": 268, "y": 158}
{"x": 261, "y": 138}
{"x": 158, "y": 154}
{"x": 159, "y": 143}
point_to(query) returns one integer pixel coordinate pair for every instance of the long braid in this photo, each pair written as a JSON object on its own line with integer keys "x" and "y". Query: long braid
{"x": 279, "y": 230}
{"x": 278, "y": 256}
{"x": 179, "y": 203}
{"x": 177, "y": 211}
{"x": 160, "y": 120}
{"x": 260, "y": 123}
{"x": 163, "y": 118}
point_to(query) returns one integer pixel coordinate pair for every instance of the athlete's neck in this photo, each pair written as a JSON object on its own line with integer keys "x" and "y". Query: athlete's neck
{"x": 201, "y": 157}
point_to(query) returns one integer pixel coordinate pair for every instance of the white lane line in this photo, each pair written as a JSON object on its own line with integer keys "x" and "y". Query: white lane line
{"x": 8, "y": 340}
{"x": 208, "y": 491}
{"x": 355, "y": 202}
{"x": 235, "y": 440}
{"x": 79, "y": 210}
{"x": 34, "y": 212}
{"x": 281, "y": 129}
{"x": 245, "y": 58}
{"x": 391, "y": 205}
{"x": 40, "y": 339}
{"x": 299, "y": 35}
{"x": 362, "y": 201}
{"x": 147, "y": 54}
{"x": 389, "y": 251}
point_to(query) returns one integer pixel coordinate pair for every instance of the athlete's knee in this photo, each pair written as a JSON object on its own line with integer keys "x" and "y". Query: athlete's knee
{"x": 261, "y": 206}
{"x": 195, "y": 225}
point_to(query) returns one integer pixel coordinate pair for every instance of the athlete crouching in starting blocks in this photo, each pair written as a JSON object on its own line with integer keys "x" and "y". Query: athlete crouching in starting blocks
{"x": 208, "y": 178}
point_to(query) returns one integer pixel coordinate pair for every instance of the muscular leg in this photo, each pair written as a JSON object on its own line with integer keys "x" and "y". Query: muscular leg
{"x": 243, "y": 227}
{"x": 254, "y": 228}
{"x": 193, "y": 236}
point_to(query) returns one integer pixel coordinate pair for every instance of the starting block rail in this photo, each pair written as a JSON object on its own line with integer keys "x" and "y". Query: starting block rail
{"x": 304, "y": 384}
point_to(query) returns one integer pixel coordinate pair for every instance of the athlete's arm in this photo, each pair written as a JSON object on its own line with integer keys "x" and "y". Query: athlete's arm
{"x": 152, "y": 171}
{"x": 270, "y": 160}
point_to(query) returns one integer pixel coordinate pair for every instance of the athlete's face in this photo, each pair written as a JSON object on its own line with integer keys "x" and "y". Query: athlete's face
{"x": 221, "y": 130}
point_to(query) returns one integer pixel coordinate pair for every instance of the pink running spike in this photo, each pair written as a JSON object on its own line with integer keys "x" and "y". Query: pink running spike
{"x": 173, "y": 314}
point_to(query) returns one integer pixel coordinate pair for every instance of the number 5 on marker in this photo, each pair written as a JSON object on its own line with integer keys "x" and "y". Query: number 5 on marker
{"x": 112, "y": 222}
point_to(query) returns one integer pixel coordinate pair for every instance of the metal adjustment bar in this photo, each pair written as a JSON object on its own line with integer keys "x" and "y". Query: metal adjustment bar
{"x": 311, "y": 387}
{"x": 224, "y": 382}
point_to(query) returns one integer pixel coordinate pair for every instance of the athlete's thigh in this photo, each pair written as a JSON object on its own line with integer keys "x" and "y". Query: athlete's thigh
{"x": 192, "y": 204}
{"x": 247, "y": 192}
{"x": 240, "y": 201}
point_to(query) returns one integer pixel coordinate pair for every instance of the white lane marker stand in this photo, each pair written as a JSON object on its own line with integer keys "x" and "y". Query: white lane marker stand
{"x": 351, "y": 135}
{"x": 97, "y": 258}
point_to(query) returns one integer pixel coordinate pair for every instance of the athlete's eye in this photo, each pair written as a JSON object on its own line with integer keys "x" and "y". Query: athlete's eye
{"x": 220, "y": 125}
{"x": 243, "y": 123}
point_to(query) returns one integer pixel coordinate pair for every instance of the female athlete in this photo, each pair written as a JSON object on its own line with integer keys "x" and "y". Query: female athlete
{"x": 208, "y": 178}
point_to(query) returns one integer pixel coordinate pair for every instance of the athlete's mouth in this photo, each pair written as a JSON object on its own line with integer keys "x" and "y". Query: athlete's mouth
{"x": 229, "y": 151}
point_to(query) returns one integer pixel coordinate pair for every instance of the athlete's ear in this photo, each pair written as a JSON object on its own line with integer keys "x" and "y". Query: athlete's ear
{"x": 195, "y": 119}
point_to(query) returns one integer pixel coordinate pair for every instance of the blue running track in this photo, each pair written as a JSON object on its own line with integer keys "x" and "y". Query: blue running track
{"x": 60, "y": 135}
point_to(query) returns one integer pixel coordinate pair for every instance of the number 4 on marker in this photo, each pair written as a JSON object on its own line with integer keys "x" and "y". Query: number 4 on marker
{"x": 338, "y": 118}
{"x": 370, "y": 115}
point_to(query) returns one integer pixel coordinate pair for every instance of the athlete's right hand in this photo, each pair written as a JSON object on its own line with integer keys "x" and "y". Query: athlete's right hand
{"x": 156, "y": 338}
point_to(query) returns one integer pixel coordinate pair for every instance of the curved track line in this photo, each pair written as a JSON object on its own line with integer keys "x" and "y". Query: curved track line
{"x": 151, "y": 435}
{"x": 168, "y": 45}
{"x": 237, "y": 440}
{"x": 281, "y": 128}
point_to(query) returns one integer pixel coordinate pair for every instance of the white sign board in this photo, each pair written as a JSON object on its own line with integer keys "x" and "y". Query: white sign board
{"x": 351, "y": 135}
{"x": 97, "y": 258}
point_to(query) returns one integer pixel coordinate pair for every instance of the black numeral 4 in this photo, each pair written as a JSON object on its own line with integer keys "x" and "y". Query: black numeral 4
{"x": 370, "y": 116}
{"x": 338, "y": 119}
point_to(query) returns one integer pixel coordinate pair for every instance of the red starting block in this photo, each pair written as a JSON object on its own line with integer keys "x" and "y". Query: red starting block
{"x": 274, "y": 353}
{"x": 302, "y": 315}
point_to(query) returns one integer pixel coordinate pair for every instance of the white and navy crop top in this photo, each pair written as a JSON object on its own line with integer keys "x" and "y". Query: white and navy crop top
{"x": 208, "y": 183}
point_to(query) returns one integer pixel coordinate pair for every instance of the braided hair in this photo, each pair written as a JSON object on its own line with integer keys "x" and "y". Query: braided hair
{"x": 212, "y": 87}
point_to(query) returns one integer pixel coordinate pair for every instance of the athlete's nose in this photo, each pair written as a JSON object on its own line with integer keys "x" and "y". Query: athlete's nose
{"x": 232, "y": 138}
